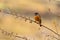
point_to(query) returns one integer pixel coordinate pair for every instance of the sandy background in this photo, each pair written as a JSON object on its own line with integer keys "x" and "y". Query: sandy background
{"x": 30, "y": 30}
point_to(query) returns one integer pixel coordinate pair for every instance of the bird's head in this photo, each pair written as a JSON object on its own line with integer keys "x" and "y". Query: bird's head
{"x": 36, "y": 13}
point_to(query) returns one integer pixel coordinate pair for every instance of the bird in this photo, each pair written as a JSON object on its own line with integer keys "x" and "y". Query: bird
{"x": 37, "y": 18}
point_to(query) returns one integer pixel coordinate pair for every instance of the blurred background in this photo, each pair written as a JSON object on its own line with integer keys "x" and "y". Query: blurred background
{"x": 48, "y": 9}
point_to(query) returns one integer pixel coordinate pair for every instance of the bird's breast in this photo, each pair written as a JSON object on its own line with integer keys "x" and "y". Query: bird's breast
{"x": 37, "y": 18}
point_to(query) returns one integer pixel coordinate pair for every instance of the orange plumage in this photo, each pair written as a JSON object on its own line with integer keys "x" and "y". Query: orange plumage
{"x": 37, "y": 18}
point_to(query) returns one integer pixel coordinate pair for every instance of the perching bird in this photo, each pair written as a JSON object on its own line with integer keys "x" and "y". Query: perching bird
{"x": 37, "y": 18}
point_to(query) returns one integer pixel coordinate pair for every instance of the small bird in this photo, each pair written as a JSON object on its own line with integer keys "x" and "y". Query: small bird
{"x": 37, "y": 18}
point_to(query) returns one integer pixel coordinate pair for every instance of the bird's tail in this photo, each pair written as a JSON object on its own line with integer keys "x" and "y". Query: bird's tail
{"x": 40, "y": 23}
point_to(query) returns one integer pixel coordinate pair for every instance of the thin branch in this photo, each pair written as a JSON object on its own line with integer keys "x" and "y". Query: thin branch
{"x": 16, "y": 14}
{"x": 51, "y": 30}
{"x": 43, "y": 26}
{"x": 11, "y": 34}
